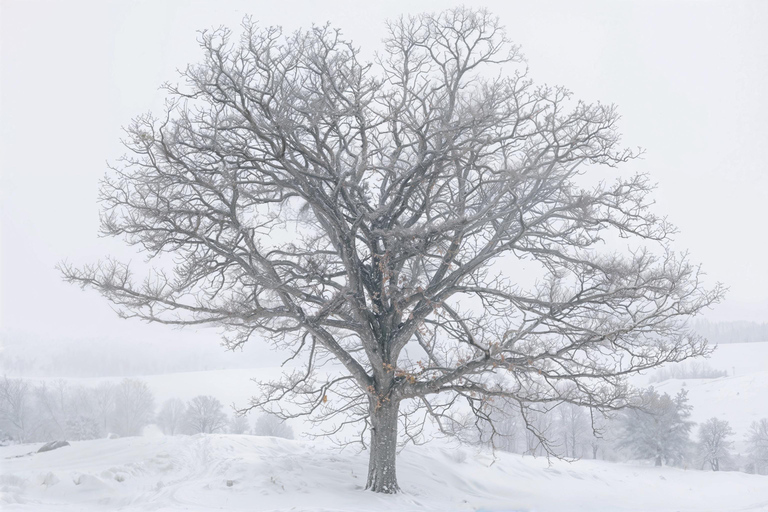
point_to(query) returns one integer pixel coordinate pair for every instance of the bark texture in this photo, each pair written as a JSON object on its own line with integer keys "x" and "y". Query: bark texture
{"x": 382, "y": 470}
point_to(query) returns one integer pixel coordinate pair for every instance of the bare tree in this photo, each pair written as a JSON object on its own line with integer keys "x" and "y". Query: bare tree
{"x": 238, "y": 424}
{"x": 757, "y": 444}
{"x": 104, "y": 405}
{"x": 51, "y": 407}
{"x": 575, "y": 428}
{"x": 15, "y": 409}
{"x": 271, "y": 425}
{"x": 389, "y": 217}
{"x": 171, "y": 417}
{"x": 205, "y": 415}
{"x": 714, "y": 445}
{"x": 134, "y": 407}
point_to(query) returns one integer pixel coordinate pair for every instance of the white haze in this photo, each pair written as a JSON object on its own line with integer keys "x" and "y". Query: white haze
{"x": 689, "y": 79}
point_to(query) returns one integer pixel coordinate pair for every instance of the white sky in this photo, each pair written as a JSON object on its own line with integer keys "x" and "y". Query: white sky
{"x": 690, "y": 79}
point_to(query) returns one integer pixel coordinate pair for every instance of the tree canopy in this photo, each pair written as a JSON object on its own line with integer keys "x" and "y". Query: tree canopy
{"x": 429, "y": 221}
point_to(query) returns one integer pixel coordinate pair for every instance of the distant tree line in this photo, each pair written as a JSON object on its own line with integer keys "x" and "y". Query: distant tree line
{"x": 58, "y": 410}
{"x": 731, "y": 332}
{"x": 205, "y": 415}
{"x": 686, "y": 370}
{"x": 657, "y": 429}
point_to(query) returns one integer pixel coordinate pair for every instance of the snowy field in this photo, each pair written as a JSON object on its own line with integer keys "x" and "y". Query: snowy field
{"x": 229, "y": 472}
{"x": 155, "y": 472}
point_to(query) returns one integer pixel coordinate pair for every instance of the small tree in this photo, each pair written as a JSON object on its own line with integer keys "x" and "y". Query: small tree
{"x": 714, "y": 445}
{"x": 388, "y": 215}
{"x": 205, "y": 415}
{"x": 134, "y": 407}
{"x": 757, "y": 444}
{"x": 15, "y": 409}
{"x": 171, "y": 418}
{"x": 657, "y": 428}
{"x": 271, "y": 425}
{"x": 597, "y": 435}
{"x": 103, "y": 397}
{"x": 238, "y": 424}
{"x": 52, "y": 409}
{"x": 575, "y": 429}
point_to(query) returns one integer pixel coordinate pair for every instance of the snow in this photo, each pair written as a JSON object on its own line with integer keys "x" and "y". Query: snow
{"x": 739, "y": 399}
{"x": 160, "y": 473}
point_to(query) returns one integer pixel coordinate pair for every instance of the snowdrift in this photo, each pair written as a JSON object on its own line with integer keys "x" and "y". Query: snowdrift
{"x": 230, "y": 472}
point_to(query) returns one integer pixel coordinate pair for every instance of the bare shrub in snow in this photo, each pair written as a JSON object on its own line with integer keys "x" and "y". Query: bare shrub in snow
{"x": 425, "y": 221}
{"x": 271, "y": 425}
{"x": 204, "y": 415}
{"x": 714, "y": 445}
{"x": 171, "y": 417}
{"x": 79, "y": 427}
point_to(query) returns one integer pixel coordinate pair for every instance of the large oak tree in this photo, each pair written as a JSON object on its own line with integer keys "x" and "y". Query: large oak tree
{"x": 427, "y": 221}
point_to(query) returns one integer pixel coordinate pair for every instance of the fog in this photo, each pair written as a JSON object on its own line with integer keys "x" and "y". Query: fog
{"x": 688, "y": 77}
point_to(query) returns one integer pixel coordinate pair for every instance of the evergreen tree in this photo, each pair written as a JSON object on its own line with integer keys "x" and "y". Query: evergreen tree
{"x": 659, "y": 428}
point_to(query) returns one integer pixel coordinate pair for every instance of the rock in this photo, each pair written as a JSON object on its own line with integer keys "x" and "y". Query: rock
{"x": 112, "y": 436}
{"x": 53, "y": 445}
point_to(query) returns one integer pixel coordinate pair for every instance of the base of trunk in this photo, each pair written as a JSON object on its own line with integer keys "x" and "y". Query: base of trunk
{"x": 382, "y": 470}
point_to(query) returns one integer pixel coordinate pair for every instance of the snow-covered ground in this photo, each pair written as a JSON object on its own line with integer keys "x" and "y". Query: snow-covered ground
{"x": 158, "y": 473}
{"x": 154, "y": 472}
{"x": 739, "y": 399}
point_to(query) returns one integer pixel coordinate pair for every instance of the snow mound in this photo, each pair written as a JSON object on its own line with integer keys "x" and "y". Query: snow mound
{"x": 230, "y": 472}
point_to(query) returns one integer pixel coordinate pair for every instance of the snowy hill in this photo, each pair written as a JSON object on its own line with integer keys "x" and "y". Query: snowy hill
{"x": 195, "y": 473}
{"x": 739, "y": 399}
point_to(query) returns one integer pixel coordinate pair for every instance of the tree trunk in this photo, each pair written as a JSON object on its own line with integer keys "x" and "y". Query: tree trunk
{"x": 658, "y": 460}
{"x": 382, "y": 474}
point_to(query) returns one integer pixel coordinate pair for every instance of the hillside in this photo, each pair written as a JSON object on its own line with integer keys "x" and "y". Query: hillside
{"x": 741, "y": 398}
{"x": 192, "y": 473}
